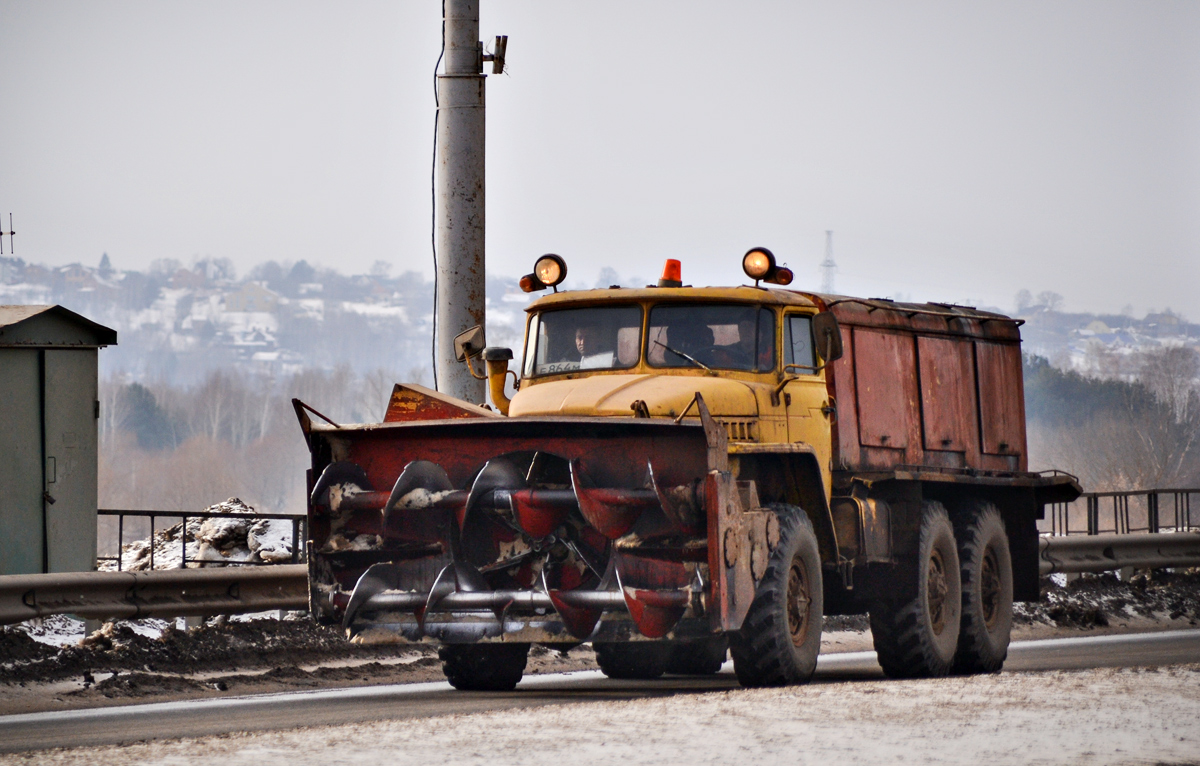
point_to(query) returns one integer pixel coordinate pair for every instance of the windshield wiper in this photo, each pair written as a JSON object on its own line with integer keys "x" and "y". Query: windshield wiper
{"x": 691, "y": 359}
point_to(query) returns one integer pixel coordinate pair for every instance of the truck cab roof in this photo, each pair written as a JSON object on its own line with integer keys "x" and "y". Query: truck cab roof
{"x": 741, "y": 294}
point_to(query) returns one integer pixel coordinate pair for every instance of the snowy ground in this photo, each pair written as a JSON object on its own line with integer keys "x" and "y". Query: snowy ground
{"x": 1144, "y": 716}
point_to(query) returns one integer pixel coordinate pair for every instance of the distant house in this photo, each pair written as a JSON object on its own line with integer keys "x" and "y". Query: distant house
{"x": 1167, "y": 319}
{"x": 76, "y": 276}
{"x": 186, "y": 278}
{"x": 251, "y": 296}
{"x": 1164, "y": 325}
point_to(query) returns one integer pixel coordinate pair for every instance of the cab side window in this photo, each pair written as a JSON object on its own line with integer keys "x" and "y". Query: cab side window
{"x": 798, "y": 345}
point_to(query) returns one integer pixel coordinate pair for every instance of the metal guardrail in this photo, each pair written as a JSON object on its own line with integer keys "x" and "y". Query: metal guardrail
{"x": 1142, "y": 510}
{"x": 1103, "y": 553}
{"x": 237, "y": 590}
{"x": 299, "y": 533}
{"x": 161, "y": 593}
{"x": 233, "y": 589}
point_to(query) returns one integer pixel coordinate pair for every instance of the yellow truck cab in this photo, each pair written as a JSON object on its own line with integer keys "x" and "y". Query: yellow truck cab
{"x": 748, "y": 351}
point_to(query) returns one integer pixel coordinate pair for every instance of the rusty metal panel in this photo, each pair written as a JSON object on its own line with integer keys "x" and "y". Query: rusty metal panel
{"x": 614, "y": 453}
{"x": 947, "y": 393}
{"x": 839, "y": 377}
{"x": 1001, "y": 398}
{"x": 885, "y": 382}
{"x": 412, "y": 402}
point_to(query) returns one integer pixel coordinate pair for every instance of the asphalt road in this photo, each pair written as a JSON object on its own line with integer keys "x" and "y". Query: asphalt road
{"x": 197, "y": 718}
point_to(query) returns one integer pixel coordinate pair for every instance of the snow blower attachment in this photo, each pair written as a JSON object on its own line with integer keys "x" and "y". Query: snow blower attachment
{"x": 548, "y": 530}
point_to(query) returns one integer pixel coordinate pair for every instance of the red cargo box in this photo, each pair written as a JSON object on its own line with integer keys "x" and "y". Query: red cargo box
{"x": 928, "y": 385}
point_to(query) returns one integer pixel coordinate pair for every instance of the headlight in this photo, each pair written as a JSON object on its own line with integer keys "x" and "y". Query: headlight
{"x": 758, "y": 263}
{"x": 550, "y": 270}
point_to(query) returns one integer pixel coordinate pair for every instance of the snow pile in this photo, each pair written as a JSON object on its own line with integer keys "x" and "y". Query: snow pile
{"x": 218, "y": 541}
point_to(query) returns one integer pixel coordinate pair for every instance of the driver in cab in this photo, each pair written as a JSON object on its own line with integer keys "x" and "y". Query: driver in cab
{"x": 589, "y": 344}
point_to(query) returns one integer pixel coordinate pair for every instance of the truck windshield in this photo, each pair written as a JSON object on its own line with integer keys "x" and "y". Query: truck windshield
{"x": 608, "y": 338}
{"x": 712, "y": 336}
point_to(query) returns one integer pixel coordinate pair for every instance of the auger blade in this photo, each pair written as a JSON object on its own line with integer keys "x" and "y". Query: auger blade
{"x": 418, "y": 475}
{"x": 612, "y": 511}
{"x": 580, "y": 621}
{"x": 579, "y": 616}
{"x": 656, "y": 592}
{"x": 677, "y": 509}
{"x": 377, "y": 578}
{"x": 443, "y": 586}
{"x": 498, "y": 473}
{"x": 419, "y": 503}
{"x": 342, "y": 473}
{"x": 655, "y": 612}
{"x": 538, "y": 512}
{"x": 468, "y": 579}
{"x": 546, "y": 468}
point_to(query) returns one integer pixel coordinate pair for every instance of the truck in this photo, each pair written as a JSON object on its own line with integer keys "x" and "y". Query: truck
{"x": 683, "y": 474}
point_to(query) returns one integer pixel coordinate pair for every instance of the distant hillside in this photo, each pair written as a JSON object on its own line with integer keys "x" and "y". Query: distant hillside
{"x": 176, "y": 323}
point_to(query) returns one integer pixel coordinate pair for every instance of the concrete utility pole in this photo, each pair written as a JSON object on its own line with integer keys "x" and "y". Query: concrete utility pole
{"x": 460, "y": 200}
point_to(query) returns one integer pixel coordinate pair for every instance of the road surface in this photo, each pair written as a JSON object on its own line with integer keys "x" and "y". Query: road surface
{"x": 198, "y": 718}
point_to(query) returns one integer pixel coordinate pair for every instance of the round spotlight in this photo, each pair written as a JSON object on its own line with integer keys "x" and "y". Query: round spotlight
{"x": 758, "y": 263}
{"x": 550, "y": 269}
{"x": 783, "y": 276}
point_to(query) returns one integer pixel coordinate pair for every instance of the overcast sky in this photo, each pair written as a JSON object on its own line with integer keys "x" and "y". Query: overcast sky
{"x": 960, "y": 151}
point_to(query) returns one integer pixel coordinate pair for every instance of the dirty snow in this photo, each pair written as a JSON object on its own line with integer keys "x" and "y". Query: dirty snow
{"x": 55, "y": 630}
{"x": 227, "y": 541}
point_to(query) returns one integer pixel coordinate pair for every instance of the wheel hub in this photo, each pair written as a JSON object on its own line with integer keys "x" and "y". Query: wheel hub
{"x": 798, "y": 601}
{"x": 989, "y": 589}
{"x": 936, "y": 589}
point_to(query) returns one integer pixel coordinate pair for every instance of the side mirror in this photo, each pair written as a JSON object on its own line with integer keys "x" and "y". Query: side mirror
{"x": 828, "y": 335}
{"x": 468, "y": 343}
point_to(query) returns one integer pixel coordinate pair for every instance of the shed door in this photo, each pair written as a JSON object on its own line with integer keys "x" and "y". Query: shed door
{"x": 71, "y": 459}
{"x": 1001, "y": 398}
{"x": 947, "y": 393}
{"x": 20, "y": 462}
{"x": 884, "y": 374}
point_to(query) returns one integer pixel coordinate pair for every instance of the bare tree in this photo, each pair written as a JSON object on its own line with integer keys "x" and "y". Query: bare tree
{"x": 1171, "y": 375}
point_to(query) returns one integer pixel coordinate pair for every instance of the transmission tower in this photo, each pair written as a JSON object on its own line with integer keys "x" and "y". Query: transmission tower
{"x": 828, "y": 267}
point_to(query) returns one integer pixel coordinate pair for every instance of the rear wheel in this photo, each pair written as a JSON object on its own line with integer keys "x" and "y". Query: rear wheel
{"x": 781, "y": 635}
{"x": 484, "y": 667}
{"x": 633, "y": 660}
{"x": 987, "y": 591}
{"x": 916, "y": 633}
{"x": 698, "y": 658}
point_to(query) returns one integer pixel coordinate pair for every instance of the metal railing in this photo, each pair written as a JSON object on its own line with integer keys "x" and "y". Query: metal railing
{"x": 163, "y": 593}
{"x": 299, "y": 534}
{"x": 1122, "y": 513}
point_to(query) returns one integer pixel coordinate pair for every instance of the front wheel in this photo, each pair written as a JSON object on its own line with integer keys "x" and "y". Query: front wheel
{"x": 484, "y": 667}
{"x": 781, "y": 635}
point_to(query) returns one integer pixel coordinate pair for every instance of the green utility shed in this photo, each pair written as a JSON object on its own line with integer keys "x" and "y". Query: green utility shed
{"x": 48, "y": 416}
